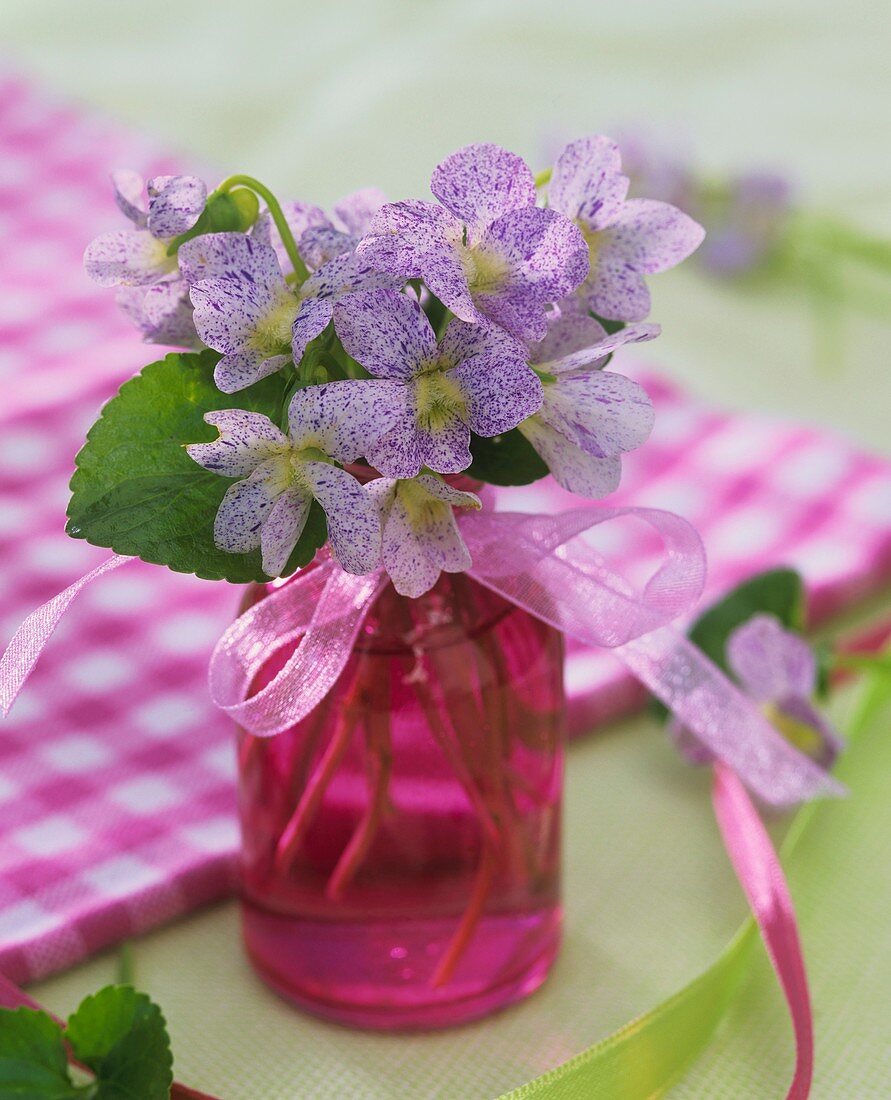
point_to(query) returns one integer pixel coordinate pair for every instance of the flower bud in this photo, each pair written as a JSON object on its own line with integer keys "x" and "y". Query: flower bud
{"x": 232, "y": 211}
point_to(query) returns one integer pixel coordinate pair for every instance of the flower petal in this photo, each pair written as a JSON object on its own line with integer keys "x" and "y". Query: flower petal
{"x": 571, "y": 467}
{"x": 128, "y": 257}
{"x": 246, "y": 440}
{"x": 440, "y": 489}
{"x": 569, "y": 330}
{"x": 396, "y": 451}
{"x": 605, "y": 414}
{"x": 462, "y": 341}
{"x": 543, "y": 257}
{"x": 421, "y": 240}
{"x": 481, "y": 182}
{"x": 246, "y": 506}
{"x": 299, "y": 217}
{"x": 387, "y": 332}
{"x": 214, "y": 255}
{"x": 353, "y": 523}
{"x": 447, "y": 448}
{"x": 129, "y": 194}
{"x": 500, "y": 389}
{"x": 652, "y": 236}
{"x": 356, "y": 210}
{"x": 230, "y": 309}
{"x": 162, "y": 312}
{"x": 770, "y": 662}
{"x": 321, "y": 243}
{"x": 240, "y": 369}
{"x": 175, "y": 203}
{"x": 282, "y": 528}
{"x": 421, "y": 537}
{"x": 594, "y": 355}
{"x": 615, "y": 291}
{"x": 342, "y": 418}
{"x": 587, "y": 183}
{"x": 311, "y": 320}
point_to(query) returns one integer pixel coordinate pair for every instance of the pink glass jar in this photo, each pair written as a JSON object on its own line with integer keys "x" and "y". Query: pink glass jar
{"x": 401, "y": 845}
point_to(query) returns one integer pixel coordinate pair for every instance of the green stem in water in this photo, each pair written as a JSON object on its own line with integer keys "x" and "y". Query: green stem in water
{"x": 272, "y": 203}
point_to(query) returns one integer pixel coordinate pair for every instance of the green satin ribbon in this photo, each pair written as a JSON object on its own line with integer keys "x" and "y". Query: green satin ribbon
{"x": 643, "y": 1059}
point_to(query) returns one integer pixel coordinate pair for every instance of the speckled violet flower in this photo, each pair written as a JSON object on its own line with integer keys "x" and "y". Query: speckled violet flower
{"x": 778, "y": 670}
{"x": 162, "y": 313}
{"x": 420, "y": 538}
{"x": 487, "y": 252}
{"x": 161, "y": 210}
{"x": 432, "y": 395}
{"x": 280, "y": 475}
{"x": 627, "y": 239}
{"x": 245, "y": 308}
{"x": 747, "y": 225}
{"x": 319, "y": 237}
{"x": 589, "y": 416}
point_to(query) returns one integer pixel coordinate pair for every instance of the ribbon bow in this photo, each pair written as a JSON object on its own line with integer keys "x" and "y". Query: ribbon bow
{"x": 542, "y": 564}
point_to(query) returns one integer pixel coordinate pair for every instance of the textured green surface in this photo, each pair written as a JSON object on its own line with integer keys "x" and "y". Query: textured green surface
{"x": 318, "y": 99}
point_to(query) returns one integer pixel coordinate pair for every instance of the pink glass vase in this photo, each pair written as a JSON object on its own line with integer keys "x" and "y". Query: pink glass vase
{"x": 401, "y": 845}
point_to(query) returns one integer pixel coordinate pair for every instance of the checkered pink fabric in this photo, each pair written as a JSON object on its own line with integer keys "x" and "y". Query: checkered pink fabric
{"x": 116, "y": 775}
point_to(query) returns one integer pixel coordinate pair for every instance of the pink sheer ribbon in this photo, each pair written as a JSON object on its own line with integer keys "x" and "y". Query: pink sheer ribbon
{"x": 542, "y": 564}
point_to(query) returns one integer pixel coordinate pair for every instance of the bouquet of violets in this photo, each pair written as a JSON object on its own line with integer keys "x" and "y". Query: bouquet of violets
{"x": 415, "y": 340}
{"x": 348, "y": 384}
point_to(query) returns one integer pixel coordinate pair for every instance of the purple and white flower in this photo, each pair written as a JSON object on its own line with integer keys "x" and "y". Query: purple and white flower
{"x": 319, "y": 237}
{"x": 420, "y": 537}
{"x": 280, "y": 475}
{"x": 430, "y": 395}
{"x": 162, "y": 313}
{"x": 160, "y": 210}
{"x": 748, "y": 224}
{"x": 778, "y": 670}
{"x": 589, "y": 416}
{"x": 486, "y": 251}
{"x": 626, "y": 238}
{"x": 246, "y": 309}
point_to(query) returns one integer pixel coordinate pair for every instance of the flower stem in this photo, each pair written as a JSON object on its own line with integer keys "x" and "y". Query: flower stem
{"x": 445, "y": 968}
{"x": 543, "y": 178}
{"x": 281, "y": 224}
{"x": 293, "y": 833}
{"x": 380, "y": 766}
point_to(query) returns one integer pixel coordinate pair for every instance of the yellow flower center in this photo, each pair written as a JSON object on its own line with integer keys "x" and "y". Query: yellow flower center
{"x": 804, "y": 737}
{"x": 484, "y": 270}
{"x": 593, "y": 239}
{"x": 272, "y": 333}
{"x": 439, "y": 400}
{"x": 421, "y": 508}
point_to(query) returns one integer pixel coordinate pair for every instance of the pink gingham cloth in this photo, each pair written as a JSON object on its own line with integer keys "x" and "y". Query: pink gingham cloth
{"x": 117, "y": 803}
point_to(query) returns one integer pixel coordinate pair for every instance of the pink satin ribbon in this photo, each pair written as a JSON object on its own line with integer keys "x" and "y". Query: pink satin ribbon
{"x": 761, "y": 877}
{"x": 764, "y": 884}
{"x": 542, "y": 564}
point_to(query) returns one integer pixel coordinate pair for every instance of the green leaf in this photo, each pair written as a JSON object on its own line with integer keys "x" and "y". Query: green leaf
{"x": 122, "y": 1037}
{"x": 33, "y": 1059}
{"x": 778, "y": 592}
{"x": 137, "y": 492}
{"x": 508, "y": 459}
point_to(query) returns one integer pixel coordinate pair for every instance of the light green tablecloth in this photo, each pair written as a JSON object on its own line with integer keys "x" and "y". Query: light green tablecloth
{"x": 318, "y": 99}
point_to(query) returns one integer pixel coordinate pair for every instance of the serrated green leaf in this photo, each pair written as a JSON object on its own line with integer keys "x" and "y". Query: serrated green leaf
{"x": 122, "y": 1037}
{"x": 508, "y": 459}
{"x": 137, "y": 492}
{"x": 778, "y": 592}
{"x": 33, "y": 1059}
